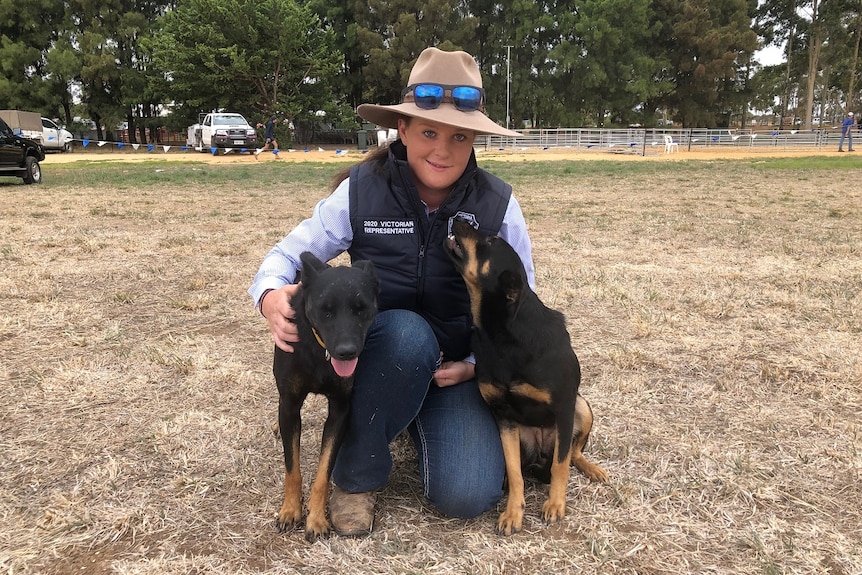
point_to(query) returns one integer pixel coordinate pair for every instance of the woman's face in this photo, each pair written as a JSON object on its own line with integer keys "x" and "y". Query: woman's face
{"x": 436, "y": 153}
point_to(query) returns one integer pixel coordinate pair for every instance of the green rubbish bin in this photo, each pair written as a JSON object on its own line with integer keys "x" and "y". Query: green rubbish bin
{"x": 362, "y": 140}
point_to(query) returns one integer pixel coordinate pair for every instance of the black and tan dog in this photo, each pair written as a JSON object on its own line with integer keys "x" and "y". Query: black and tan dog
{"x": 527, "y": 372}
{"x": 334, "y": 309}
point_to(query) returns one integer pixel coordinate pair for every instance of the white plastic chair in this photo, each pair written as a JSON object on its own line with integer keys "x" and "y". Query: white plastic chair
{"x": 670, "y": 145}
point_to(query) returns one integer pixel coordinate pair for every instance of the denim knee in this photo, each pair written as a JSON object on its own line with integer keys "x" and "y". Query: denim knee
{"x": 465, "y": 501}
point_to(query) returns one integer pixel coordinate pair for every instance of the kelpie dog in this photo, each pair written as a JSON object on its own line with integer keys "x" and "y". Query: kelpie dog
{"x": 527, "y": 372}
{"x": 334, "y": 309}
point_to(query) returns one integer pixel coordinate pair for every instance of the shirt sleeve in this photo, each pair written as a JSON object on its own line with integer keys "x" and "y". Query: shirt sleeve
{"x": 326, "y": 234}
{"x": 514, "y": 231}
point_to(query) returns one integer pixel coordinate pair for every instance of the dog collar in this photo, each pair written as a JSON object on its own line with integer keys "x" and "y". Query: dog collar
{"x": 320, "y": 341}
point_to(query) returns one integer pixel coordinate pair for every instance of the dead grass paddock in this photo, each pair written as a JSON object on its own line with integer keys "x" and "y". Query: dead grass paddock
{"x": 716, "y": 307}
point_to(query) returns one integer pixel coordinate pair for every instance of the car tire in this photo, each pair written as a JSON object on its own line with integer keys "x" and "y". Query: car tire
{"x": 32, "y": 171}
{"x": 67, "y": 147}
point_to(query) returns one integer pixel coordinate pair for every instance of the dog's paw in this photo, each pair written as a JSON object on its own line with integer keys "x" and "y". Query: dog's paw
{"x": 597, "y": 474}
{"x": 553, "y": 510}
{"x": 316, "y": 529}
{"x": 592, "y": 471}
{"x": 288, "y": 518}
{"x": 510, "y": 522}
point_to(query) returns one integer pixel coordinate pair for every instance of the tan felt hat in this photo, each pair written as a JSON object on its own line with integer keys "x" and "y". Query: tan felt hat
{"x": 435, "y": 66}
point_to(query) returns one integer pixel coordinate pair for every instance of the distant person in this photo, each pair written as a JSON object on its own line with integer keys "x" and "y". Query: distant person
{"x": 268, "y": 135}
{"x": 847, "y": 132}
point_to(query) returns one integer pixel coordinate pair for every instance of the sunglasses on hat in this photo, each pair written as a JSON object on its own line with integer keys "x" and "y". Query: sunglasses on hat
{"x": 430, "y": 96}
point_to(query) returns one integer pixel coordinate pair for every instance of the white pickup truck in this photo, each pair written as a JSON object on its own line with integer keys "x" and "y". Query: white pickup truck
{"x": 222, "y": 130}
{"x": 55, "y": 137}
{"x": 39, "y": 129}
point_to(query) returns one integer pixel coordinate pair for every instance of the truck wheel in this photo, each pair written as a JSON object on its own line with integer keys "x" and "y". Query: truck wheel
{"x": 32, "y": 171}
{"x": 67, "y": 147}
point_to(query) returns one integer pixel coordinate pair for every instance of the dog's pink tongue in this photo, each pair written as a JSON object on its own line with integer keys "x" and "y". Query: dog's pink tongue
{"x": 344, "y": 368}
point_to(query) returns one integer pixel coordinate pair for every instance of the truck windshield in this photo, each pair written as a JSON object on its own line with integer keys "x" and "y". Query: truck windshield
{"x": 227, "y": 120}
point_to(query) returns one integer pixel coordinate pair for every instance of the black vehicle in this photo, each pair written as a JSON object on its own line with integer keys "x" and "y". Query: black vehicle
{"x": 19, "y": 156}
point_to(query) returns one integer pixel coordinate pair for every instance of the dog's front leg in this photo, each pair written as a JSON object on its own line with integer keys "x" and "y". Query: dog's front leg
{"x": 290, "y": 426}
{"x": 512, "y": 518}
{"x": 316, "y": 525}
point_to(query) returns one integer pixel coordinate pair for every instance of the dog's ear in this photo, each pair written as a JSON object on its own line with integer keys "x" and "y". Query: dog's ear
{"x": 512, "y": 285}
{"x": 311, "y": 267}
{"x": 364, "y": 265}
{"x": 368, "y": 268}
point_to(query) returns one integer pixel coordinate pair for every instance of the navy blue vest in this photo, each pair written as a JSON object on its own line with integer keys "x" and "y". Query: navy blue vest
{"x": 391, "y": 229}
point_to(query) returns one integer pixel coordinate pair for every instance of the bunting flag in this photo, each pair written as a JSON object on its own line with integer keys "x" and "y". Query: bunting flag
{"x": 120, "y": 144}
{"x": 166, "y": 148}
{"x": 320, "y": 149}
{"x": 275, "y": 152}
{"x": 136, "y": 146}
{"x": 228, "y": 151}
{"x": 183, "y": 148}
{"x": 86, "y": 142}
{"x": 213, "y": 151}
{"x": 150, "y": 148}
{"x": 291, "y": 150}
{"x": 101, "y": 143}
{"x": 243, "y": 150}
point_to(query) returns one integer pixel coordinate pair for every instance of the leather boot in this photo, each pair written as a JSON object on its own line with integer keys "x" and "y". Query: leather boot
{"x": 352, "y": 514}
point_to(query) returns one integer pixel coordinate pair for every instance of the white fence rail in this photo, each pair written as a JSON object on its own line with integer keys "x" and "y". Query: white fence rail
{"x": 652, "y": 141}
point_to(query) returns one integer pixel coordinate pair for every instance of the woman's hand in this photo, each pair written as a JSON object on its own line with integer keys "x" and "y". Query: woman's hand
{"x": 454, "y": 372}
{"x": 278, "y": 312}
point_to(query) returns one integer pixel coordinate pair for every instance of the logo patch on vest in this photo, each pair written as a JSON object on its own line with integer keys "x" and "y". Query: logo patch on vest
{"x": 388, "y": 227}
{"x": 471, "y": 218}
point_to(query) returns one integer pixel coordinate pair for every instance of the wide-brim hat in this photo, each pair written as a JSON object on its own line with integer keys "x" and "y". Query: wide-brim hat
{"x": 435, "y": 66}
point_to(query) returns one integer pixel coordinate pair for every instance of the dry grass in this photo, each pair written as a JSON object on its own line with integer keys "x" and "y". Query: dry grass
{"x": 716, "y": 308}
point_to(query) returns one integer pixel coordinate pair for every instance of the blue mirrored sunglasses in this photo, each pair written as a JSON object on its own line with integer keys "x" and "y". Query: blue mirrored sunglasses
{"x": 430, "y": 96}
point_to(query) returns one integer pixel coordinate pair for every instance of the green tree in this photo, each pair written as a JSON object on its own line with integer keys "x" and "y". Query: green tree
{"x": 27, "y": 30}
{"x": 114, "y": 70}
{"x": 601, "y": 58}
{"x": 250, "y": 56}
{"x": 708, "y": 45}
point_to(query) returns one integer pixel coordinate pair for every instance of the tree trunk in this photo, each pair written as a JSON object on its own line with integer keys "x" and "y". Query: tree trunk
{"x": 855, "y": 61}
{"x": 814, "y": 48}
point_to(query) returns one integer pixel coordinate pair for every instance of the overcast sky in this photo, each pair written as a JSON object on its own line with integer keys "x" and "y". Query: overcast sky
{"x": 770, "y": 56}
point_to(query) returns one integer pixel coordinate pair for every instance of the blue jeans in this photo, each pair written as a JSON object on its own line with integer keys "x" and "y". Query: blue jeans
{"x": 460, "y": 456}
{"x": 849, "y": 136}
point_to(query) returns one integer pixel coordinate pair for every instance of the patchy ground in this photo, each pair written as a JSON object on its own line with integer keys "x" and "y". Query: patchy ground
{"x": 716, "y": 308}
